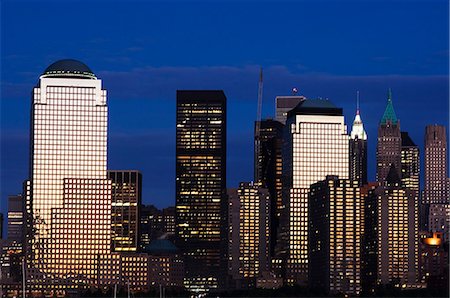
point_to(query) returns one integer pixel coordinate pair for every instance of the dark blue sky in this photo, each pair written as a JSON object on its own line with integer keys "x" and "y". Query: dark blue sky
{"x": 144, "y": 51}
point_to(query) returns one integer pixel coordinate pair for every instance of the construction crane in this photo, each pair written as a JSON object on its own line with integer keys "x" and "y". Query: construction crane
{"x": 258, "y": 126}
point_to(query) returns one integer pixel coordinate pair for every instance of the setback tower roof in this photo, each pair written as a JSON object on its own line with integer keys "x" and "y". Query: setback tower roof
{"x": 389, "y": 113}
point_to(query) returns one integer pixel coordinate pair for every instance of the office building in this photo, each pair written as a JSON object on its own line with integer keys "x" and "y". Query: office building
{"x": 436, "y": 165}
{"x": 201, "y": 205}
{"x": 15, "y": 218}
{"x": 268, "y": 170}
{"x": 369, "y": 245}
{"x": 335, "y": 230}
{"x": 283, "y": 104}
{"x": 391, "y": 224}
{"x": 315, "y": 145}
{"x": 249, "y": 233}
{"x": 165, "y": 263}
{"x": 168, "y": 215}
{"x": 126, "y": 201}
{"x": 68, "y": 193}
{"x": 151, "y": 225}
{"x": 410, "y": 163}
{"x": 439, "y": 220}
{"x": 358, "y": 151}
{"x": 433, "y": 258}
{"x": 389, "y": 143}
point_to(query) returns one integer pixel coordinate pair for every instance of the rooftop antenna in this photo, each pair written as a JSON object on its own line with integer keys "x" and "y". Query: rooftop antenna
{"x": 258, "y": 124}
{"x": 357, "y": 102}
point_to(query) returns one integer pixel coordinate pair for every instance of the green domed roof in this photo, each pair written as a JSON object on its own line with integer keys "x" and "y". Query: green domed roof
{"x": 69, "y": 68}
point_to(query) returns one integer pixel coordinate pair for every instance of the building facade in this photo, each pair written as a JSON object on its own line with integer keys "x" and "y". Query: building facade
{"x": 389, "y": 143}
{"x": 358, "y": 151}
{"x": 68, "y": 192}
{"x": 410, "y": 163}
{"x": 16, "y": 220}
{"x": 396, "y": 233}
{"x": 283, "y": 104}
{"x": 335, "y": 232}
{"x": 439, "y": 220}
{"x": 125, "y": 209}
{"x": 201, "y": 205}
{"x": 436, "y": 166}
{"x": 249, "y": 233}
{"x": 268, "y": 170}
{"x": 315, "y": 145}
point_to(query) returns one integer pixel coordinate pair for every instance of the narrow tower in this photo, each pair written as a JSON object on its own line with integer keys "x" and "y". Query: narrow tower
{"x": 358, "y": 149}
{"x": 389, "y": 143}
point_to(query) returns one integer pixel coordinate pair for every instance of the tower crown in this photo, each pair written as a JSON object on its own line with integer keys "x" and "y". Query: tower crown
{"x": 69, "y": 68}
{"x": 358, "y": 126}
{"x": 389, "y": 113}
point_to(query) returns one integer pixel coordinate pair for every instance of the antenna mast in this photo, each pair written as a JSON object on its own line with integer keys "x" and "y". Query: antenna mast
{"x": 258, "y": 128}
{"x": 259, "y": 110}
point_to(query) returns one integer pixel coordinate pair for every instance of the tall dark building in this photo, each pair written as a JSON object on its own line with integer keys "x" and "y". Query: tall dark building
{"x": 410, "y": 163}
{"x": 126, "y": 202}
{"x": 436, "y": 165}
{"x": 151, "y": 225}
{"x": 358, "y": 151}
{"x": 389, "y": 143}
{"x": 268, "y": 169}
{"x": 201, "y": 205}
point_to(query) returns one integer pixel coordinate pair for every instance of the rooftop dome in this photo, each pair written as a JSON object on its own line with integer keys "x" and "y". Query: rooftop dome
{"x": 69, "y": 68}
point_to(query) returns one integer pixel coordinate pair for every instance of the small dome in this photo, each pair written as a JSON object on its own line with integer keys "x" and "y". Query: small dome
{"x": 69, "y": 68}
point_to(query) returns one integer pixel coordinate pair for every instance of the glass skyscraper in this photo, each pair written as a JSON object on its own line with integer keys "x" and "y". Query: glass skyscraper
{"x": 315, "y": 145}
{"x": 68, "y": 193}
{"x": 201, "y": 205}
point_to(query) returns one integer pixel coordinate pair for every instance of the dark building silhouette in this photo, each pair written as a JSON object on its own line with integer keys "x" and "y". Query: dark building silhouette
{"x": 410, "y": 163}
{"x": 358, "y": 151}
{"x": 126, "y": 196}
{"x": 201, "y": 205}
{"x": 150, "y": 226}
{"x": 369, "y": 245}
{"x": 268, "y": 169}
{"x": 389, "y": 143}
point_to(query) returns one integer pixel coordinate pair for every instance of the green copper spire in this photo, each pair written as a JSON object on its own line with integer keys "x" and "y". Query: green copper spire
{"x": 389, "y": 113}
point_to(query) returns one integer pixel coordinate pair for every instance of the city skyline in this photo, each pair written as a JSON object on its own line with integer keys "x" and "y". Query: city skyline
{"x": 236, "y": 74}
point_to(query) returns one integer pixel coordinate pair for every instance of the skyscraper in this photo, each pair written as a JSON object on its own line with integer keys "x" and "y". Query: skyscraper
{"x": 335, "y": 230}
{"x": 16, "y": 220}
{"x": 69, "y": 193}
{"x": 389, "y": 142}
{"x": 358, "y": 151}
{"x": 315, "y": 145}
{"x": 125, "y": 210}
{"x": 201, "y": 205}
{"x": 268, "y": 169}
{"x": 283, "y": 104}
{"x": 393, "y": 228}
{"x": 436, "y": 165}
{"x": 249, "y": 213}
{"x": 410, "y": 163}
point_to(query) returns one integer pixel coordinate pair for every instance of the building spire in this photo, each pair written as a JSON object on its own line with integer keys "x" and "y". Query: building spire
{"x": 358, "y": 131}
{"x": 357, "y": 102}
{"x": 389, "y": 113}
